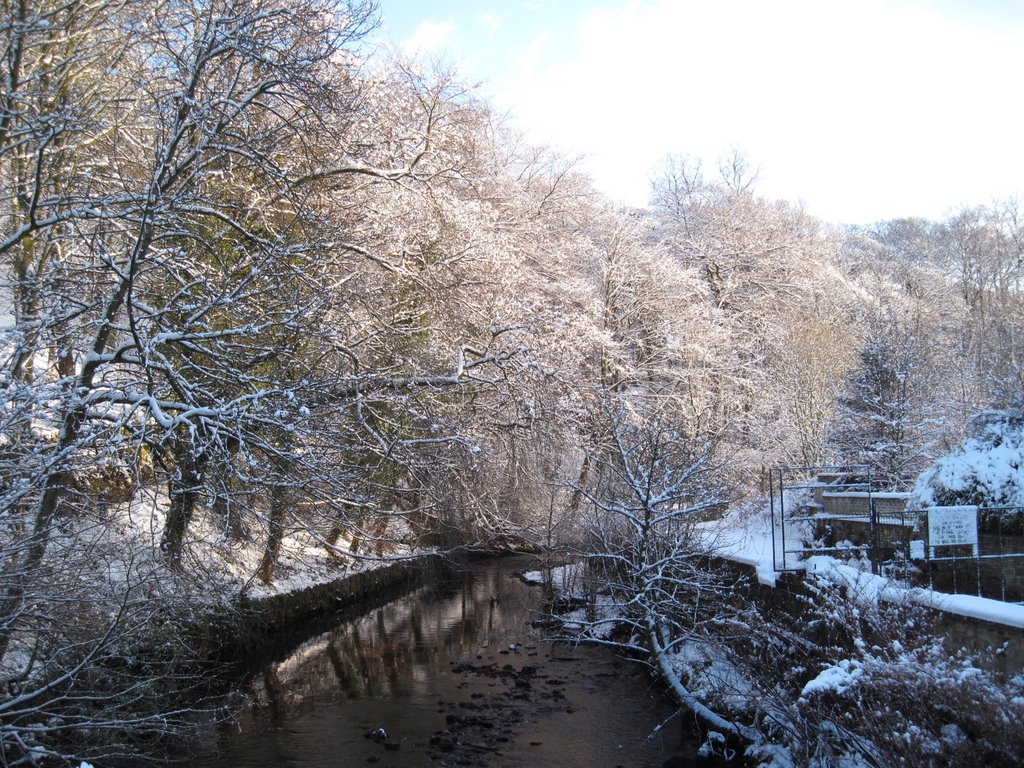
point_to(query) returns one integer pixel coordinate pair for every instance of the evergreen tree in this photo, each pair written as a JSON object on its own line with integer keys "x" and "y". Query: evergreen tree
{"x": 883, "y": 418}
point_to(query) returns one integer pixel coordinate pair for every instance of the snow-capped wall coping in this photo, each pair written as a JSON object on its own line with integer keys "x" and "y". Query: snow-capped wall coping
{"x": 873, "y": 587}
{"x": 888, "y": 495}
{"x": 972, "y": 606}
{"x": 867, "y": 586}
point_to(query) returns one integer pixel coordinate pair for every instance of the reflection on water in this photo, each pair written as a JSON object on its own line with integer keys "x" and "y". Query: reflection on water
{"x": 435, "y": 667}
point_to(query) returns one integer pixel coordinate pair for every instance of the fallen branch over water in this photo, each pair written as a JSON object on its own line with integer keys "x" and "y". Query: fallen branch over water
{"x": 685, "y": 697}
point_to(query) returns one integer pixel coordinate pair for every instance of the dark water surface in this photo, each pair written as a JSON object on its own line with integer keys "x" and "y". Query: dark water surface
{"x": 435, "y": 671}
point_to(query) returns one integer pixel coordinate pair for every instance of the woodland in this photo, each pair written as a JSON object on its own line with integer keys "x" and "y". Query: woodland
{"x": 258, "y": 285}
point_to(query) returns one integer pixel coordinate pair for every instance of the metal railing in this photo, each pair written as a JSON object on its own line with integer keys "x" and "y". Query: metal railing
{"x": 959, "y": 550}
{"x": 987, "y": 560}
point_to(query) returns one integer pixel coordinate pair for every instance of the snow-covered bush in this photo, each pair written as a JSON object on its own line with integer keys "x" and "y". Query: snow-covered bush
{"x": 987, "y": 470}
{"x": 838, "y": 678}
{"x": 890, "y": 706}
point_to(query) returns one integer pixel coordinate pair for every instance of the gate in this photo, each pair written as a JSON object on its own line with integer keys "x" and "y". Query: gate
{"x": 796, "y": 503}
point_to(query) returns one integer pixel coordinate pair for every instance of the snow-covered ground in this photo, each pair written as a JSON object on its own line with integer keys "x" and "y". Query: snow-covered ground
{"x": 569, "y": 582}
{"x": 125, "y": 549}
{"x": 747, "y": 539}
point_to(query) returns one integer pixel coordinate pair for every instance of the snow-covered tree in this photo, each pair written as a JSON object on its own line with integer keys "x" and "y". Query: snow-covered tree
{"x": 654, "y": 493}
{"x": 884, "y": 418}
{"x": 967, "y": 271}
{"x": 813, "y": 364}
{"x": 767, "y": 271}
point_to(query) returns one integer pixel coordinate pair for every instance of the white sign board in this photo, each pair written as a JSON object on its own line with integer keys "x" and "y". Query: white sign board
{"x": 951, "y": 526}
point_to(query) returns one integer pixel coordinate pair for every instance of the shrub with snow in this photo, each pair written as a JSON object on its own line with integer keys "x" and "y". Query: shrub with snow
{"x": 987, "y": 470}
{"x": 847, "y": 680}
{"x": 914, "y": 708}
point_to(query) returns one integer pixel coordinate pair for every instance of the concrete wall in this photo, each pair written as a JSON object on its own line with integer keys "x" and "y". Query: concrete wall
{"x": 262, "y": 621}
{"x": 1004, "y": 645}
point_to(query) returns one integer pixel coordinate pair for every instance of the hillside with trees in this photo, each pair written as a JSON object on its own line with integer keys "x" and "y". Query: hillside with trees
{"x": 258, "y": 288}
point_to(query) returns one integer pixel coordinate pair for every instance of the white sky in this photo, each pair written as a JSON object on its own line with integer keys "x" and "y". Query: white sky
{"x": 862, "y": 109}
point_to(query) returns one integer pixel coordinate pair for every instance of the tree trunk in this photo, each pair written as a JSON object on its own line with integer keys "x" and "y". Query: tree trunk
{"x": 332, "y": 540}
{"x": 275, "y": 524}
{"x": 53, "y": 495}
{"x": 183, "y": 489}
{"x": 577, "y": 492}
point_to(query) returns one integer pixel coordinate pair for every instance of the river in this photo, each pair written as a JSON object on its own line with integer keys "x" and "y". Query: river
{"x": 456, "y": 675}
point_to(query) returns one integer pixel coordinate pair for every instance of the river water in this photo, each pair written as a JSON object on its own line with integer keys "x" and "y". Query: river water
{"x": 456, "y": 675}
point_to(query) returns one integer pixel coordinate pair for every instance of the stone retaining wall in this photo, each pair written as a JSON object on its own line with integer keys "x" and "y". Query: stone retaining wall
{"x": 259, "y": 622}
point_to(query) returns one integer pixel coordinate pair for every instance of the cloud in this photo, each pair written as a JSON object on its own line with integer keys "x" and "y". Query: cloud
{"x": 429, "y": 38}
{"x": 490, "y": 22}
{"x": 858, "y": 108}
{"x": 531, "y": 64}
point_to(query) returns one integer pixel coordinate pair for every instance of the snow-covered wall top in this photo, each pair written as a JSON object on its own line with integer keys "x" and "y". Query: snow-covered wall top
{"x": 894, "y": 495}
